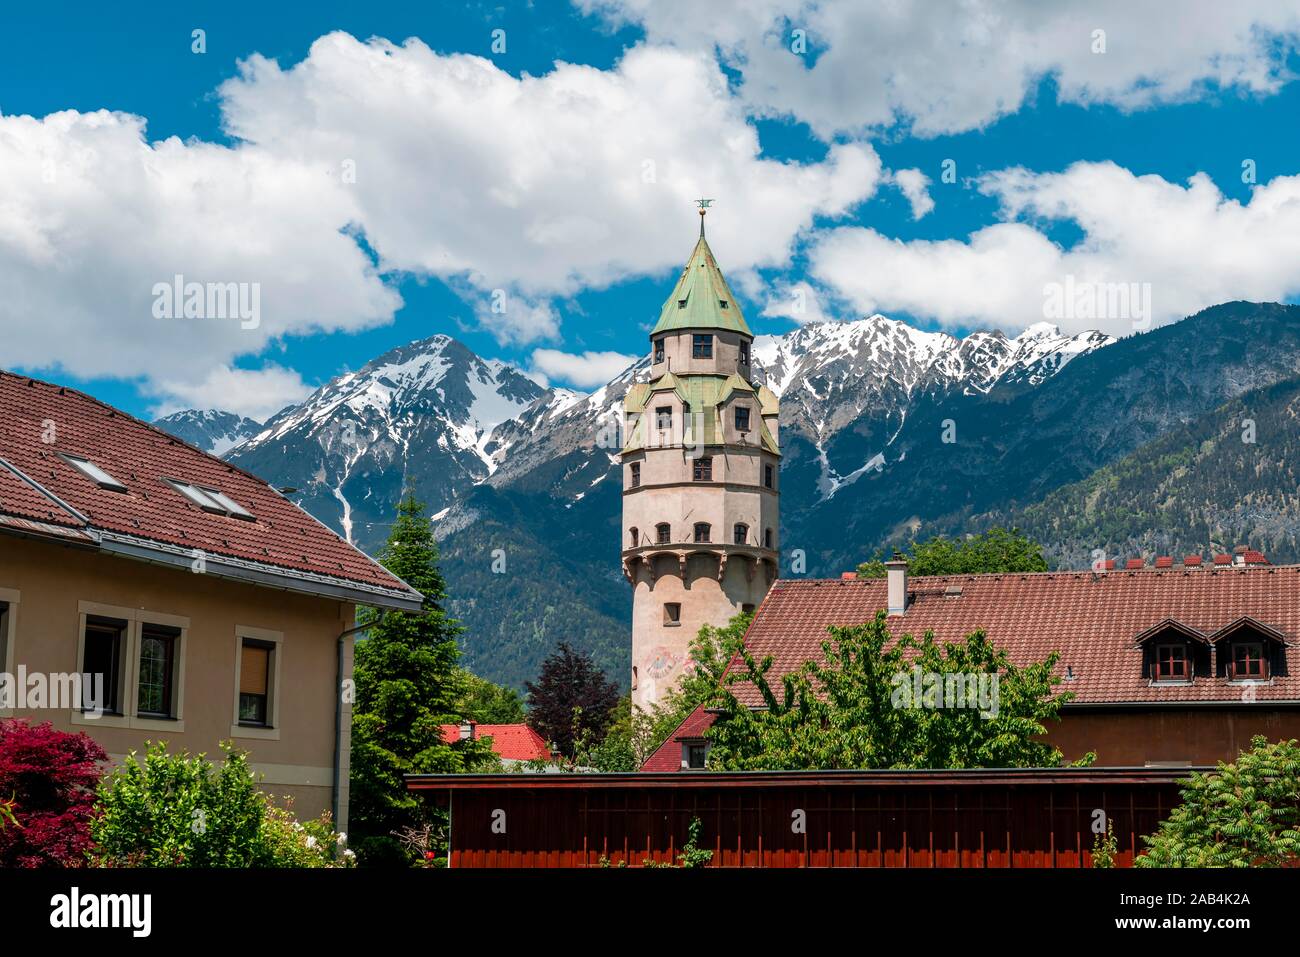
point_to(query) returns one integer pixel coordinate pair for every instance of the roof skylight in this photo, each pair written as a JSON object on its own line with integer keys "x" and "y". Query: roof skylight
{"x": 212, "y": 500}
{"x": 93, "y": 472}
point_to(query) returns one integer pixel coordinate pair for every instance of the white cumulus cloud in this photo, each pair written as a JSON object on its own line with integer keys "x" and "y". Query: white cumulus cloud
{"x": 586, "y": 370}
{"x": 1188, "y": 245}
{"x": 944, "y": 66}
{"x": 914, "y": 185}
{"x": 256, "y": 393}
{"x": 525, "y": 188}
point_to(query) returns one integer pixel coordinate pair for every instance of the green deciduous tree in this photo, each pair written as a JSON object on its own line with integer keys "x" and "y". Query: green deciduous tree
{"x": 634, "y": 733}
{"x": 407, "y": 686}
{"x": 486, "y": 703}
{"x": 571, "y": 701}
{"x": 855, "y": 708}
{"x": 1245, "y": 814}
{"x": 996, "y": 550}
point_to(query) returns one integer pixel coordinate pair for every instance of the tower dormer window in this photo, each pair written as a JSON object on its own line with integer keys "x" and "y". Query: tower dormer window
{"x": 664, "y": 417}
{"x": 703, "y": 470}
{"x": 663, "y": 533}
{"x": 635, "y": 481}
{"x": 744, "y": 353}
{"x": 701, "y": 346}
{"x": 659, "y": 350}
{"x": 742, "y": 418}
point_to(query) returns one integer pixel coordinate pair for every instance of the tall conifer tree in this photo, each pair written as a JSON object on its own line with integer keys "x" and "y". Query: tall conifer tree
{"x": 407, "y": 685}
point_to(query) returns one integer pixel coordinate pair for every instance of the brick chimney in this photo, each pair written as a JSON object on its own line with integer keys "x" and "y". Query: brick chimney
{"x": 896, "y": 573}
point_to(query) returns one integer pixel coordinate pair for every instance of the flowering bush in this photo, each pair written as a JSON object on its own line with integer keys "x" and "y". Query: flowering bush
{"x": 289, "y": 843}
{"x": 175, "y": 810}
{"x": 47, "y": 780}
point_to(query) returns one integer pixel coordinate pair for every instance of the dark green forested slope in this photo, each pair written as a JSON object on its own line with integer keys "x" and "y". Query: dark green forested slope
{"x": 1228, "y": 478}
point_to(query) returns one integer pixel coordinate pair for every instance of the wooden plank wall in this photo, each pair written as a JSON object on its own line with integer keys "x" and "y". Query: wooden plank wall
{"x": 1040, "y": 825}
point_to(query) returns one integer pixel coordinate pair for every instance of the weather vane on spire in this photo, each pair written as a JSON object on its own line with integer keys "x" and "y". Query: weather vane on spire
{"x": 704, "y": 205}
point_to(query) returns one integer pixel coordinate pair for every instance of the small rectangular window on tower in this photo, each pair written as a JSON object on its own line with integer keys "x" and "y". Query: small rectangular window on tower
{"x": 768, "y": 476}
{"x": 664, "y": 417}
{"x": 636, "y": 475}
{"x": 744, "y": 353}
{"x": 659, "y": 350}
{"x": 742, "y": 418}
{"x": 701, "y": 346}
{"x": 672, "y": 613}
{"x": 703, "y": 471}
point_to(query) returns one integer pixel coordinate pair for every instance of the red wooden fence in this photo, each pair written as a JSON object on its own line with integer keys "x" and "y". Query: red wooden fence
{"x": 1000, "y": 818}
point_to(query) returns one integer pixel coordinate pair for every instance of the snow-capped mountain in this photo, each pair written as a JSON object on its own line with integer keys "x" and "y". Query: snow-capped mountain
{"x": 829, "y": 373}
{"x": 437, "y": 417}
{"x": 886, "y": 432}
{"x": 211, "y": 430}
{"x": 421, "y": 415}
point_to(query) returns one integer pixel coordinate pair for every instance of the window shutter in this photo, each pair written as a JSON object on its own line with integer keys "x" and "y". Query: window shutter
{"x": 253, "y": 670}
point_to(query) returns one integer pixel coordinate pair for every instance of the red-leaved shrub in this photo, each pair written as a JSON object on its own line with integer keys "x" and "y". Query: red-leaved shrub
{"x": 51, "y": 778}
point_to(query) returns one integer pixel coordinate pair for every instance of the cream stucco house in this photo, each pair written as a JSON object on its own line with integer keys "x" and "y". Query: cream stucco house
{"x": 150, "y": 591}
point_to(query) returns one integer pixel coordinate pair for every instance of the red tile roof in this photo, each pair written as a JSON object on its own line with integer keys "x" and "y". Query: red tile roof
{"x": 1223, "y": 559}
{"x": 40, "y": 421}
{"x": 1093, "y": 620}
{"x": 668, "y": 756}
{"x": 1134, "y": 563}
{"x": 511, "y": 742}
{"x": 1193, "y": 561}
{"x": 1164, "y": 561}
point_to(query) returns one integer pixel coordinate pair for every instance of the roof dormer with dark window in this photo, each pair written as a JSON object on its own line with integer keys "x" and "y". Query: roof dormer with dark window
{"x": 1173, "y": 652}
{"x": 1249, "y": 650}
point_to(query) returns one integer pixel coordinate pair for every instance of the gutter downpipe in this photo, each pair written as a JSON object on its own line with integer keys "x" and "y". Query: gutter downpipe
{"x": 338, "y": 708}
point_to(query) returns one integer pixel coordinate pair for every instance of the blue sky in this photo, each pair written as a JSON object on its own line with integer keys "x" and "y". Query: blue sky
{"x": 1104, "y": 143}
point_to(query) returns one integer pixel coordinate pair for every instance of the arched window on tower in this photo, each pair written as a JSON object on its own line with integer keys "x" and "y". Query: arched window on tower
{"x": 701, "y": 531}
{"x": 740, "y": 533}
{"x": 663, "y": 533}
{"x": 636, "y": 537}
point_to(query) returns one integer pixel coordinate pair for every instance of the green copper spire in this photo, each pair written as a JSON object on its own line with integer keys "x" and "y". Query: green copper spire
{"x": 701, "y": 299}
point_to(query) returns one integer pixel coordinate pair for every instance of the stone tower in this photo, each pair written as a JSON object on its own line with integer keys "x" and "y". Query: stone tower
{"x": 700, "y": 478}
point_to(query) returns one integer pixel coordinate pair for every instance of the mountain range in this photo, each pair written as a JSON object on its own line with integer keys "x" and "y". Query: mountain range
{"x": 886, "y": 431}
{"x": 209, "y": 429}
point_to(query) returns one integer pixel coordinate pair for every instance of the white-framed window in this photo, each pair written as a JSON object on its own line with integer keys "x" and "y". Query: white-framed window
{"x": 8, "y": 634}
{"x": 258, "y": 665}
{"x": 132, "y": 663}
